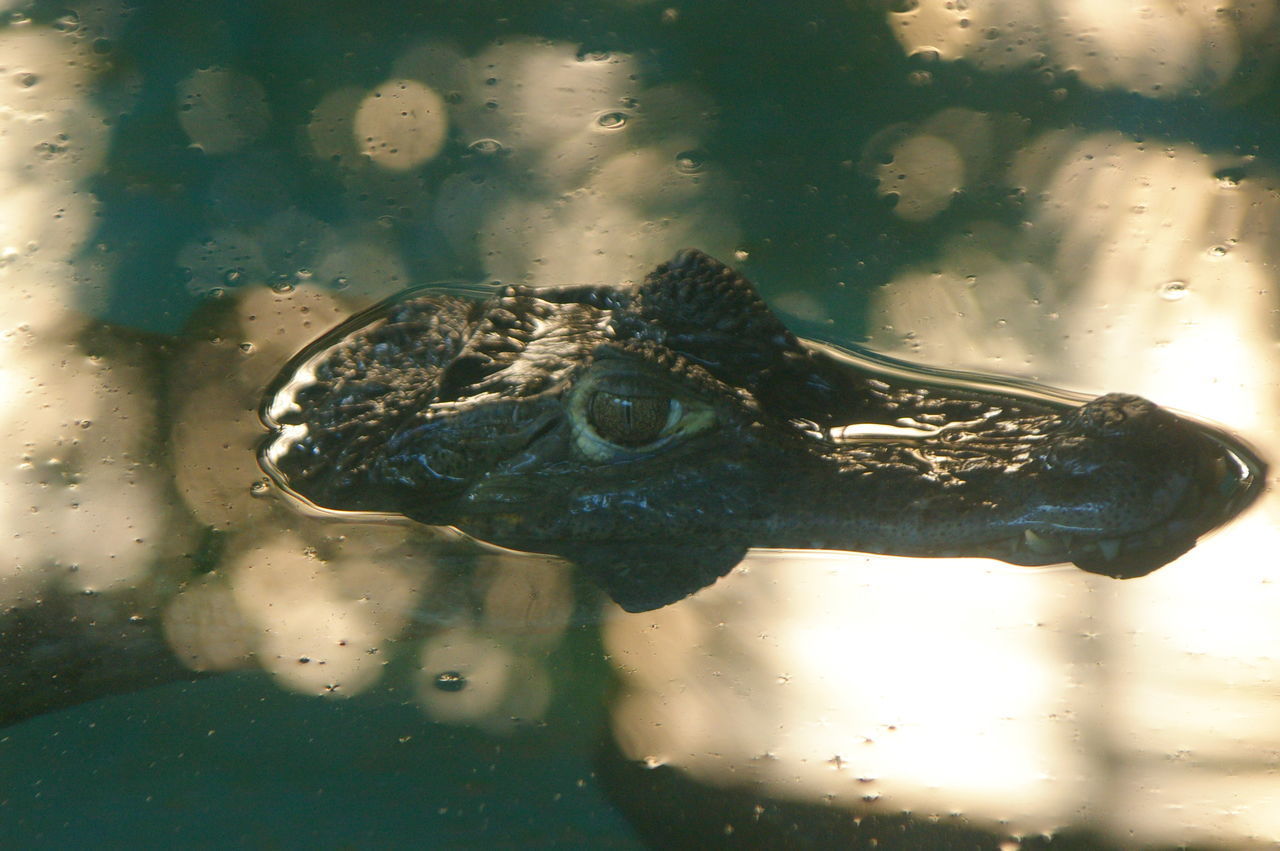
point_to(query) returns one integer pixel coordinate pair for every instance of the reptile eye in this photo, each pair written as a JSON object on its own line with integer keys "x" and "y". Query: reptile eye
{"x": 631, "y": 421}
{"x": 620, "y": 411}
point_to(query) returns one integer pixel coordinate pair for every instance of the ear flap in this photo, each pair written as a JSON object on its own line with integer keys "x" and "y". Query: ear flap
{"x": 701, "y": 309}
{"x": 336, "y": 404}
{"x": 693, "y": 292}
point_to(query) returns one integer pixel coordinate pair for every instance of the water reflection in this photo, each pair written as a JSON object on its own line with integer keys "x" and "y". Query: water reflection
{"x": 1158, "y": 49}
{"x": 869, "y": 682}
{"x": 1025, "y": 701}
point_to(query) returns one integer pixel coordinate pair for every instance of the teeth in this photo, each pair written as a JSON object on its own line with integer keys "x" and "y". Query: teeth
{"x": 1038, "y": 543}
{"x": 1110, "y": 548}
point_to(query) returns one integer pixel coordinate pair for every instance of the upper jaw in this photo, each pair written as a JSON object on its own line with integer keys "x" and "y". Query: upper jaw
{"x": 1117, "y": 486}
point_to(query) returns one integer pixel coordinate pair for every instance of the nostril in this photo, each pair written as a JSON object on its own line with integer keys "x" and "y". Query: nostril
{"x": 1119, "y": 414}
{"x": 1135, "y": 407}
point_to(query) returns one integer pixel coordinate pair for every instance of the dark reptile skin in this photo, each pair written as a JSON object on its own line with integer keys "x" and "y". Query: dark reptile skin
{"x": 459, "y": 412}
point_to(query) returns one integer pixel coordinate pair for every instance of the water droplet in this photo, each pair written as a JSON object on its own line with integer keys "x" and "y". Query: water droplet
{"x": 1218, "y": 251}
{"x": 260, "y": 488}
{"x": 485, "y": 147}
{"x": 66, "y": 22}
{"x": 690, "y": 162}
{"x": 1173, "y": 290}
{"x": 612, "y": 120}
{"x": 340, "y": 283}
{"x": 233, "y": 277}
{"x": 27, "y": 79}
{"x": 652, "y": 761}
{"x": 282, "y": 284}
{"x": 247, "y": 348}
{"x": 1229, "y": 178}
{"x": 450, "y": 681}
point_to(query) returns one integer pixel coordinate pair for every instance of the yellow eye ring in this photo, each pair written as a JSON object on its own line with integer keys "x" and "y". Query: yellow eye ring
{"x": 618, "y": 411}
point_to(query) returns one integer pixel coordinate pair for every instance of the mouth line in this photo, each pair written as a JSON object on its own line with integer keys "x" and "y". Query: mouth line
{"x": 1215, "y": 493}
{"x": 1125, "y": 555}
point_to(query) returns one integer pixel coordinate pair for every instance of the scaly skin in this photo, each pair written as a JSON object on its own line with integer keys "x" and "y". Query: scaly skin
{"x": 652, "y": 433}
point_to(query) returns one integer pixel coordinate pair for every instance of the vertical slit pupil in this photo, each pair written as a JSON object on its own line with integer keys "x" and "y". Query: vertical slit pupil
{"x": 628, "y": 420}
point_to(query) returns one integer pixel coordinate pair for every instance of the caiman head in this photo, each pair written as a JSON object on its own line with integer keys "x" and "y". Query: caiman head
{"x": 651, "y": 433}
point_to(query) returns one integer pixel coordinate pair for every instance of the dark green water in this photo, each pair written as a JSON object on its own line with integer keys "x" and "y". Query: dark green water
{"x": 235, "y": 762}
